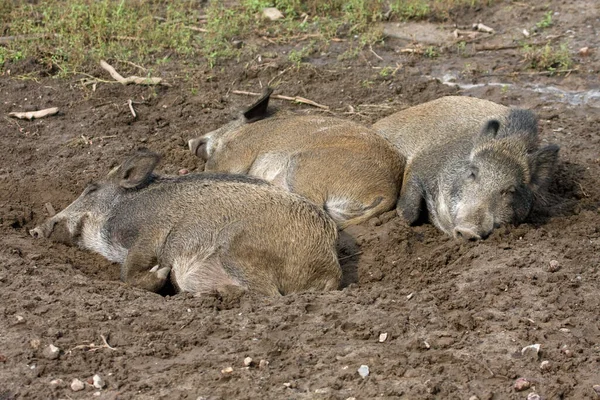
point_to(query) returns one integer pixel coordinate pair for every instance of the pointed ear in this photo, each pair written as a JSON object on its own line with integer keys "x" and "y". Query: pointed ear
{"x": 541, "y": 165}
{"x": 137, "y": 169}
{"x": 258, "y": 110}
{"x": 490, "y": 129}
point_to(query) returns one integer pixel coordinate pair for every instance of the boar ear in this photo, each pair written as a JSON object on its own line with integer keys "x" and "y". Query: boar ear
{"x": 137, "y": 169}
{"x": 258, "y": 110}
{"x": 541, "y": 164}
{"x": 490, "y": 129}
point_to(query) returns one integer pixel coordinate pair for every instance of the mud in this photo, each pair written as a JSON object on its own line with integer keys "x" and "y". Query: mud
{"x": 456, "y": 315}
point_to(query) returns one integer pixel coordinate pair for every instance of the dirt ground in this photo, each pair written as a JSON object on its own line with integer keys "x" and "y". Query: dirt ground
{"x": 454, "y": 315}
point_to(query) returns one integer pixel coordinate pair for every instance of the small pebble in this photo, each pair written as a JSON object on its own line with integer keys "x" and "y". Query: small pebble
{"x": 263, "y": 364}
{"x": 20, "y": 319}
{"x": 383, "y": 337}
{"x": 51, "y": 352}
{"x": 584, "y": 51}
{"x": 554, "y": 266}
{"x": 522, "y": 384}
{"x": 77, "y": 385}
{"x": 227, "y": 370}
{"x": 184, "y": 171}
{"x": 56, "y": 382}
{"x": 248, "y": 361}
{"x": 473, "y": 398}
{"x": 322, "y": 390}
{"x": 566, "y": 351}
{"x": 545, "y": 365}
{"x": 98, "y": 382}
{"x": 363, "y": 371}
{"x": 597, "y": 389}
{"x": 35, "y": 343}
{"x": 533, "y": 396}
{"x": 531, "y": 350}
{"x": 97, "y": 394}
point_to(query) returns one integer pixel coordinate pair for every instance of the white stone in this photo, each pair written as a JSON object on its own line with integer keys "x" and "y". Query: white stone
{"x": 77, "y": 385}
{"x": 98, "y": 381}
{"x": 51, "y": 352}
{"x": 363, "y": 371}
{"x": 383, "y": 337}
{"x": 272, "y": 13}
{"x": 248, "y": 361}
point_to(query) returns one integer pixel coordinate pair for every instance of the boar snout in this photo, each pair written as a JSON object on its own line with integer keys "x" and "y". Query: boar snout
{"x": 44, "y": 230}
{"x": 461, "y": 232}
{"x": 198, "y": 147}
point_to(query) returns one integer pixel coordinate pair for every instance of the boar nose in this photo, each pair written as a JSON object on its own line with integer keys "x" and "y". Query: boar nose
{"x": 466, "y": 233}
{"x": 36, "y": 232}
{"x": 197, "y": 145}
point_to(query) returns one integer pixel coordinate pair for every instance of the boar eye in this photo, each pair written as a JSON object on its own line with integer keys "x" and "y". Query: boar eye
{"x": 509, "y": 191}
{"x": 471, "y": 174}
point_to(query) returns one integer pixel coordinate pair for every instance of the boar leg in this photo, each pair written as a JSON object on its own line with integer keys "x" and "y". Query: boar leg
{"x": 141, "y": 269}
{"x": 410, "y": 201}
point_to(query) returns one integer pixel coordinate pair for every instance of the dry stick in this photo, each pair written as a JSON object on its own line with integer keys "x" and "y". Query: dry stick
{"x": 131, "y": 79}
{"x": 350, "y": 256}
{"x": 373, "y": 51}
{"x": 106, "y": 342}
{"x": 297, "y": 99}
{"x": 196, "y": 29}
{"x": 130, "y": 104}
{"x": 34, "y": 114}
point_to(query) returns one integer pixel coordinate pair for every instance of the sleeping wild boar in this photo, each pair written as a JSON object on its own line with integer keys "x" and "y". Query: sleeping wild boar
{"x": 342, "y": 166}
{"x": 472, "y": 163}
{"x": 204, "y": 231}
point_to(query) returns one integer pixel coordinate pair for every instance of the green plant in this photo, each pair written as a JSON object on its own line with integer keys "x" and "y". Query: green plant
{"x": 546, "y": 21}
{"x": 386, "y": 71}
{"x": 548, "y": 58}
{"x": 431, "y": 52}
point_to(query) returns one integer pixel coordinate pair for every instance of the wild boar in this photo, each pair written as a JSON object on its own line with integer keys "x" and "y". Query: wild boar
{"x": 204, "y": 231}
{"x": 342, "y": 166}
{"x": 475, "y": 164}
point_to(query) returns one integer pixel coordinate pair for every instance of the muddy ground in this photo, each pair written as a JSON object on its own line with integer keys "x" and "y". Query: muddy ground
{"x": 456, "y": 314}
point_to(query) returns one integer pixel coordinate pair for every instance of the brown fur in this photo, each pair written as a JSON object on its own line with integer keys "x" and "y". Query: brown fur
{"x": 473, "y": 163}
{"x": 340, "y": 165}
{"x": 207, "y": 231}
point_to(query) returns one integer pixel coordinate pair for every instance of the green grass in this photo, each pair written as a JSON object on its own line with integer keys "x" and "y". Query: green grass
{"x": 546, "y": 21}
{"x": 71, "y": 36}
{"x": 548, "y": 58}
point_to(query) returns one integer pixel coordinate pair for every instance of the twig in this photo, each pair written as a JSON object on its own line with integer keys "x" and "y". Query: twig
{"x": 34, "y": 114}
{"x": 187, "y": 323}
{"x": 350, "y": 256}
{"x": 497, "y": 47}
{"x": 296, "y": 99}
{"x": 93, "y": 346}
{"x": 196, "y": 29}
{"x": 8, "y": 39}
{"x": 130, "y": 104}
{"x": 106, "y": 342}
{"x": 373, "y": 51}
{"x": 134, "y": 65}
{"x": 131, "y": 79}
